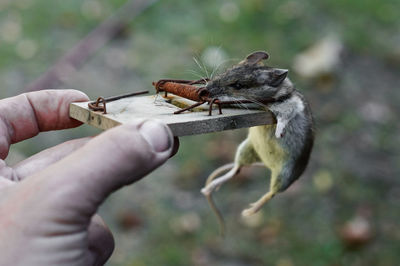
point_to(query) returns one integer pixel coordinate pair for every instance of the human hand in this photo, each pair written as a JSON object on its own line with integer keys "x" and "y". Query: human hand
{"x": 48, "y": 202}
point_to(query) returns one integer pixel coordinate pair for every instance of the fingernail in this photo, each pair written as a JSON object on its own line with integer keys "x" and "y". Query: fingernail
{"x": 157, "y": 135}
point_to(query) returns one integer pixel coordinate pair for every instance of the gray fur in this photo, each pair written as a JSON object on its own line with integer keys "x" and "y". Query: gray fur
{"x": 294, "y": 129}
{"x": 285, "y": 148}
{"x": 297, "y": 136}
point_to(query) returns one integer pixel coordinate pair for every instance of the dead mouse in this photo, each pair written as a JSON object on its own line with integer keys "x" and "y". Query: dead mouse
{"x": 284, "y": 148}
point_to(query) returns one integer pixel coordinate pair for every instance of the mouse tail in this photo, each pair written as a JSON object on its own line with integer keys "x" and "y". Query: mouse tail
{"x": 220, "y": 170}
{"x": 217, "y": 172}
{"x": 218, "y": 215}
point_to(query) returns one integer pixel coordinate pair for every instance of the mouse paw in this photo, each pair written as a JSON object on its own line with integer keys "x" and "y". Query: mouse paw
{"x": 280, "y": 128}
{"x": 249, "y": 211}
{"x": 207, "y": 190}
{"x": 279, "y": 133}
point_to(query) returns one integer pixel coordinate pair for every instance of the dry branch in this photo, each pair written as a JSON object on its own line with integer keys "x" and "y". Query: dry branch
{"x": 78, "y": 55}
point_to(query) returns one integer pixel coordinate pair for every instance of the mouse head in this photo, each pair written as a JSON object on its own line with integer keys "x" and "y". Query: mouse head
{"x": 250, "y": 80}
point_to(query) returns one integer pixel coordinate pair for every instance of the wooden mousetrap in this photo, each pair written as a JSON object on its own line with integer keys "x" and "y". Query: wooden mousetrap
{"x": 195, "y": 121}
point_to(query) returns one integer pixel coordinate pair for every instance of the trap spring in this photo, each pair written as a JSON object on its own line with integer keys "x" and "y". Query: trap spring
{"x": 186, "y": 89}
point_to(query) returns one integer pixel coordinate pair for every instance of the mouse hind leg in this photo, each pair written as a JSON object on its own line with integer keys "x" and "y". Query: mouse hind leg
{"x": 213, "y": 184}
{"x": 219, "y": 171}
{"x": 245, "y": 155}
{"x": 274, "y": 189}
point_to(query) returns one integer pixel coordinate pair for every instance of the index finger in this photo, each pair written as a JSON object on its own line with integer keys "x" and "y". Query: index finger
{"x": 25, "y": 115}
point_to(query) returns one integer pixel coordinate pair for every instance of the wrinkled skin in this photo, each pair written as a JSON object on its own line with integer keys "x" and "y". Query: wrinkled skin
{"x": 48, "y": 202}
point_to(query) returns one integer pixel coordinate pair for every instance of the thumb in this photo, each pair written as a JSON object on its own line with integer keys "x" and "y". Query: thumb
{"x": 78, "y": 184}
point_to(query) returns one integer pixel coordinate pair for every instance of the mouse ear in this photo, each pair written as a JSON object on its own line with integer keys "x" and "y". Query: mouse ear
{"x": 256, "y": 57}
{"x": 278, "y": 76}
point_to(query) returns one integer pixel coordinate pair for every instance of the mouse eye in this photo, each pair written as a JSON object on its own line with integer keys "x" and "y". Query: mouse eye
{"x": 236, "y": 86}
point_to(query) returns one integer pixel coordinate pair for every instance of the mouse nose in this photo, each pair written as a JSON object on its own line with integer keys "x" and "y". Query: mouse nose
{"x": 203, "y": 92}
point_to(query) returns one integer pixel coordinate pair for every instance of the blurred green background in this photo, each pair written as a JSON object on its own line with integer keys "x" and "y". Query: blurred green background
{"x": 343, "y": 55}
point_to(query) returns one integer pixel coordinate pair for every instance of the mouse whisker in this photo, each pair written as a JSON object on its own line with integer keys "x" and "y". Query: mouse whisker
{"x": 201, "y": 66}
{"x": 257, "y": 102}
{"x": 240, "y": 103}
{"x": 195, "y": 73}
{"x": 245, "y": 105}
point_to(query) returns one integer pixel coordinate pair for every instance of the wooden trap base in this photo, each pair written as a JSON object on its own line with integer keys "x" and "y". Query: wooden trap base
{"x": 157, "y": 107}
